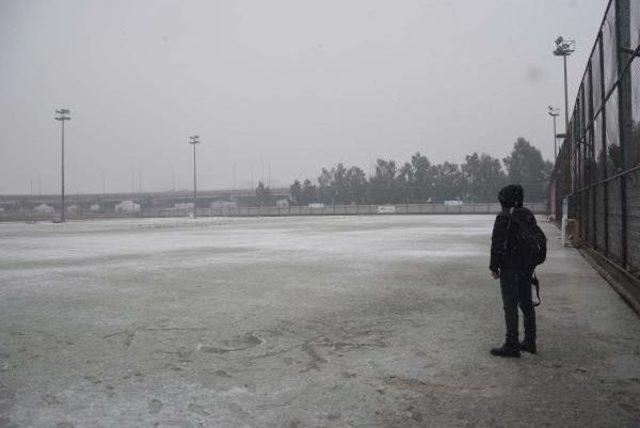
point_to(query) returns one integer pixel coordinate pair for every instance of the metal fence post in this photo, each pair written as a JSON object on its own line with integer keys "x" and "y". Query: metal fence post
{"x": 623, "y": 40}
{"x": 603, "y": 148}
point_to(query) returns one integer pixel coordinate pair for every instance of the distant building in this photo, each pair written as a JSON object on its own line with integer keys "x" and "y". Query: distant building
{"x": 184, "y": 206}
{"x": 386, "y": 209}
{"x": 282, "y": 203}
{"x": 316, "y": 205}
{"x": 127, "y": 207}
{"x": 223, "y": 205}
{"x": 454, "y": 203}
{"x": 95, "y": 208}
{"x": 44, "y": 209}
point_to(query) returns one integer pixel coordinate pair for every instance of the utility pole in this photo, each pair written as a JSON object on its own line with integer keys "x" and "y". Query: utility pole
{"x": 553, "y": 112}
{"x": 193, "y": 140}
{"x": 253, "y": 186}
{"x": 234, "y": 175}
{"x": 564, "y": 48}
{"x": 62, "y": 115}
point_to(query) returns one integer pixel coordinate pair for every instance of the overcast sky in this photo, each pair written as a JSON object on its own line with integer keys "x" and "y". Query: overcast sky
{"x": 293, "y": 84}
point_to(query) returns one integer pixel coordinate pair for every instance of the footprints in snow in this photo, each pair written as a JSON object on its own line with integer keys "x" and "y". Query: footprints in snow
{"x": 155, "y": 406}
{"x": 247, "y": 341}
{"x": 197, "y": 409}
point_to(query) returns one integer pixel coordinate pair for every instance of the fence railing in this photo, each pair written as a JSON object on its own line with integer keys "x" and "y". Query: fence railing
{"x": 401, "y": 209}
{"x": 597, "y": 168}
{"x": 490, "y": 208}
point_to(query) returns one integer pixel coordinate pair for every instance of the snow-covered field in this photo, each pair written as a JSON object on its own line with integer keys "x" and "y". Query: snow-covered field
{"x": 308, "y": 321}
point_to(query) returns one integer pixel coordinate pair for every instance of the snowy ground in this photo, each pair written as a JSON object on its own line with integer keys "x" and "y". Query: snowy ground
{"x": 316, "y": 321}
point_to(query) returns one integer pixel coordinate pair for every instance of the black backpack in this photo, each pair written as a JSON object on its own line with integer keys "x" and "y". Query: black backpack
{"x": 530, "y": 243}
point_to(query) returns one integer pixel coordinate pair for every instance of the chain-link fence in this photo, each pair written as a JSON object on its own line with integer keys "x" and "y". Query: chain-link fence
{"x": 598, "y": 166}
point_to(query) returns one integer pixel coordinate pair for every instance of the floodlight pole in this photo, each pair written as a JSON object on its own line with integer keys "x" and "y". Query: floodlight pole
{"x": 555, "y": 139}
{"x": 553, "y": 112}
{"x": 193, "y": 140}
{"x": 62, "y": 115}
{"x": 564, "y": 48}
{"x": 566, "y": 96}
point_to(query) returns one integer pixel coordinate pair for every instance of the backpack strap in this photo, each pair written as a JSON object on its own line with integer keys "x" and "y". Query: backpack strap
{"x": 506, "y": 238}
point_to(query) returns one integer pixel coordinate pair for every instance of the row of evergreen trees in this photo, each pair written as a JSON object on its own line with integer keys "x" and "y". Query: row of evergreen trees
{"x": 478, "y": 179}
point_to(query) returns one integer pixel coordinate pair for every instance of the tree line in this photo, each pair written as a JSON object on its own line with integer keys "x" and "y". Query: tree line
{"x": 477, "y": 179}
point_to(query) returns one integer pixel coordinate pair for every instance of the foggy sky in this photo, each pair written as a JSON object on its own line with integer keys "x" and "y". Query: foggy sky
{"x": 293, "y": 84}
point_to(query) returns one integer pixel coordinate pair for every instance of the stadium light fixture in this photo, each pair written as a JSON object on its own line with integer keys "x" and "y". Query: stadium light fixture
{"x": 564, "y": 48}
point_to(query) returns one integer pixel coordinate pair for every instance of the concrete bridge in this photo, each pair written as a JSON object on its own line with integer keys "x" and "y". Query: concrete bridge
{"x": 146, "y": 199}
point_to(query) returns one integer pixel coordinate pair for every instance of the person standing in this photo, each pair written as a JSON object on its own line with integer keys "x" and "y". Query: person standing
{"x": 513, "y": 262}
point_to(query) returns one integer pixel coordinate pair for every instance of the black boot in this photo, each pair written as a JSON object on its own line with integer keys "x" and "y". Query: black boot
{"x": 507, "y": 350}
{"x": 528, "y": 346}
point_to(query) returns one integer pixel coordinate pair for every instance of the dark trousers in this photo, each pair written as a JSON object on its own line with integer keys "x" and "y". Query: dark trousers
{"x": 515, "y": 285}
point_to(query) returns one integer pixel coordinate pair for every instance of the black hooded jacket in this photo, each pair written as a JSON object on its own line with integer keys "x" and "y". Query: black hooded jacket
{"x": 505, "y": 253}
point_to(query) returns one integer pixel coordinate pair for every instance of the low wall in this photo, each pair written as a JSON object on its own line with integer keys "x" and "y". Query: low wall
{"x": 538, "y": 208}
{"x": 403, "y": 209}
